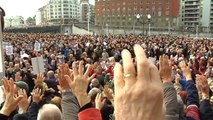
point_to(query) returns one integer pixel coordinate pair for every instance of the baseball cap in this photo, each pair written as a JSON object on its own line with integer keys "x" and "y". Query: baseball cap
{"x": 22, "y": 85}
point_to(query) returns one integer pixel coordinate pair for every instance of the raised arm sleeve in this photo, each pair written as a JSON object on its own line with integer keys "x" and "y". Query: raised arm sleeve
{"x": 171, "y": 103}
{"x": 70, "y": 106}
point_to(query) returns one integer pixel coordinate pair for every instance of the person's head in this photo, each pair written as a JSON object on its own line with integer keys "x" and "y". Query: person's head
{"x": 10, "y": 64}
{"x": 17, "y": 66}
{"x": 56, "y": 101}
{"x": 53, "y": 62}
{"x": 52, "y": 56}
{"x": 99, "y": 69}
{"x": 21, "y": 85}
{"x": 50, "y": 74}
{"x": 95, "y": 83}
{"x": 93, "y": 92}
{"x": 49, "y": 112}
{"x": 18, "y": 76}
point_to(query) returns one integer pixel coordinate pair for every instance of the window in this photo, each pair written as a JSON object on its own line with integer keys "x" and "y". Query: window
{"x": 153, "y": 1}
{"x": 159, "y": 13}
{"x": 167, "y": 12}
{"x": 153, "y": 13}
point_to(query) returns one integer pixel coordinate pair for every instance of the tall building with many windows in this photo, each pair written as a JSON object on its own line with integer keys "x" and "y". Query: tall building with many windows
{"x": 59, "y": 12}
{"x": 122, "y": 13}
{"x": 86, "y": 10}
{"x": 197, "y": 13}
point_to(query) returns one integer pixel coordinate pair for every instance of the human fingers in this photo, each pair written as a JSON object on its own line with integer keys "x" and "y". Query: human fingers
{"x": 11, "y": 85}
{"x": 20, "y": 92}
{"x": 24, "y": 93}
{"x": 86, "y": 74}
{"x": 6, "y": 86}
{"x": 128, "y": 68}
{"x": 90, "y": 78}
{"x": 161, "y": 62}
{"x": 68, "y": 79}
{"x": 40, "y": 92}
{"x": 29, "y": 99}
{"x": 18, "y": 99}
{"x": 97, "y": 97}
{"x": 81, "y": 68}
{"x": 36, "y": 92}
{"x": 74, "y": 67}
{"x": 118, "y": 77}
{"x": 154, "y": 73}
{"x": 142, "y": 63}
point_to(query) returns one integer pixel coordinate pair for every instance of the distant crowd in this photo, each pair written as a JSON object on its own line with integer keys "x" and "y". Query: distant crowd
{"x": 111, "y": 77}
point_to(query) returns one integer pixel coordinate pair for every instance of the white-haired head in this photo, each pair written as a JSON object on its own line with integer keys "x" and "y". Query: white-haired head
{"x": 49, "y": 112}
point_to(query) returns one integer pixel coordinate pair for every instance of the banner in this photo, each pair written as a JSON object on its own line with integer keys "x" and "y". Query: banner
{"x": 38, "y": 65}
{"x": 37, "y": 46}
{"x": 9, "y": 50}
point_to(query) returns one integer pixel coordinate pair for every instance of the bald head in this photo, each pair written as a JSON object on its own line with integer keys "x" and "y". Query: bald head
{"x": 49, "y": 112}
{"x": 50, "y": 74}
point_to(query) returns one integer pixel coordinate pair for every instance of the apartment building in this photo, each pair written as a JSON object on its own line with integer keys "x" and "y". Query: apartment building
{"x": 197, "y": 14}
{"x": 59, "y": 12}
{"x": 122, "y": 13}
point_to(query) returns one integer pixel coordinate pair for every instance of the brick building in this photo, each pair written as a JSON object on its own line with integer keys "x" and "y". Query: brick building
{"x": 122, "y": 13}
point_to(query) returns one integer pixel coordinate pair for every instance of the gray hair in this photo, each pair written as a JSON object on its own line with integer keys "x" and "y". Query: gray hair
{"x": 49, "y": 112}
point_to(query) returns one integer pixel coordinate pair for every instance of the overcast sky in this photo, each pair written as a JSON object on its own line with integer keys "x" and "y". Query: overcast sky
{"x": 25, "y": 8}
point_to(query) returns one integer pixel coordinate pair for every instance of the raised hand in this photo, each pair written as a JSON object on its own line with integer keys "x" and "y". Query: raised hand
{"x": 109, "y": 93}
{"x": 186, "y": 70}
{"x": 165, "y": 69}
{"x": 11, "y": 101}
{"x": 80, "y": 82}
{"x": 25, "y": 101}
{"x": 39, "y": 79}
{"x": 64, "y": 70}
{"x": 99, "y": 102}
{"x": 37, "y": 95}
{"x": 203, "y": 86}
{"x": 136, "y": 92}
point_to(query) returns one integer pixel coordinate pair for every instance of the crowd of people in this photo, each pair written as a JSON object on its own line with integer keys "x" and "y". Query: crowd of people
{"x": 108, "y": 77}
{"x": 119, "y": 77}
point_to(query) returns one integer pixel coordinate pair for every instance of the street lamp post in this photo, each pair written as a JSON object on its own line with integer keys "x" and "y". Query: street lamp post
{"x": 107, "y": 29}
{"x": 169, "y": 26}
{"x": 134, "y": 27}
{"x": 88, "y": 19}
{"x": 148, "y": 17}
{"x": 197, "y": 27}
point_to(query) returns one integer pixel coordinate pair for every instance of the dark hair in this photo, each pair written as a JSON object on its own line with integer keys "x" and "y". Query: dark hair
{"x": 2, "y": 17}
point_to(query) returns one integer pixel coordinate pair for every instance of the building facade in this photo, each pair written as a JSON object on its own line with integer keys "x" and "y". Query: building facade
{"x": 59, "y": 12}
{"x": 86, "y": 10}
{"x": 122, "y": 13}
{"x": 16, "y": 21}
{"x": 197, "y": 14}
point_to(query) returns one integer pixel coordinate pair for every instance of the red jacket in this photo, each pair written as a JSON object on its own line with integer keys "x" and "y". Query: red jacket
{"x": 90, "y": 114}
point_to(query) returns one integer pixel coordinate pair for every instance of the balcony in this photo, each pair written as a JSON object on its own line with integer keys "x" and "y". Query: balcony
{"x": 191, "y": 8}
{"x": 190, "y": 21}
{"x": 193, "y": 17}
{"x": 192, "y": 13}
